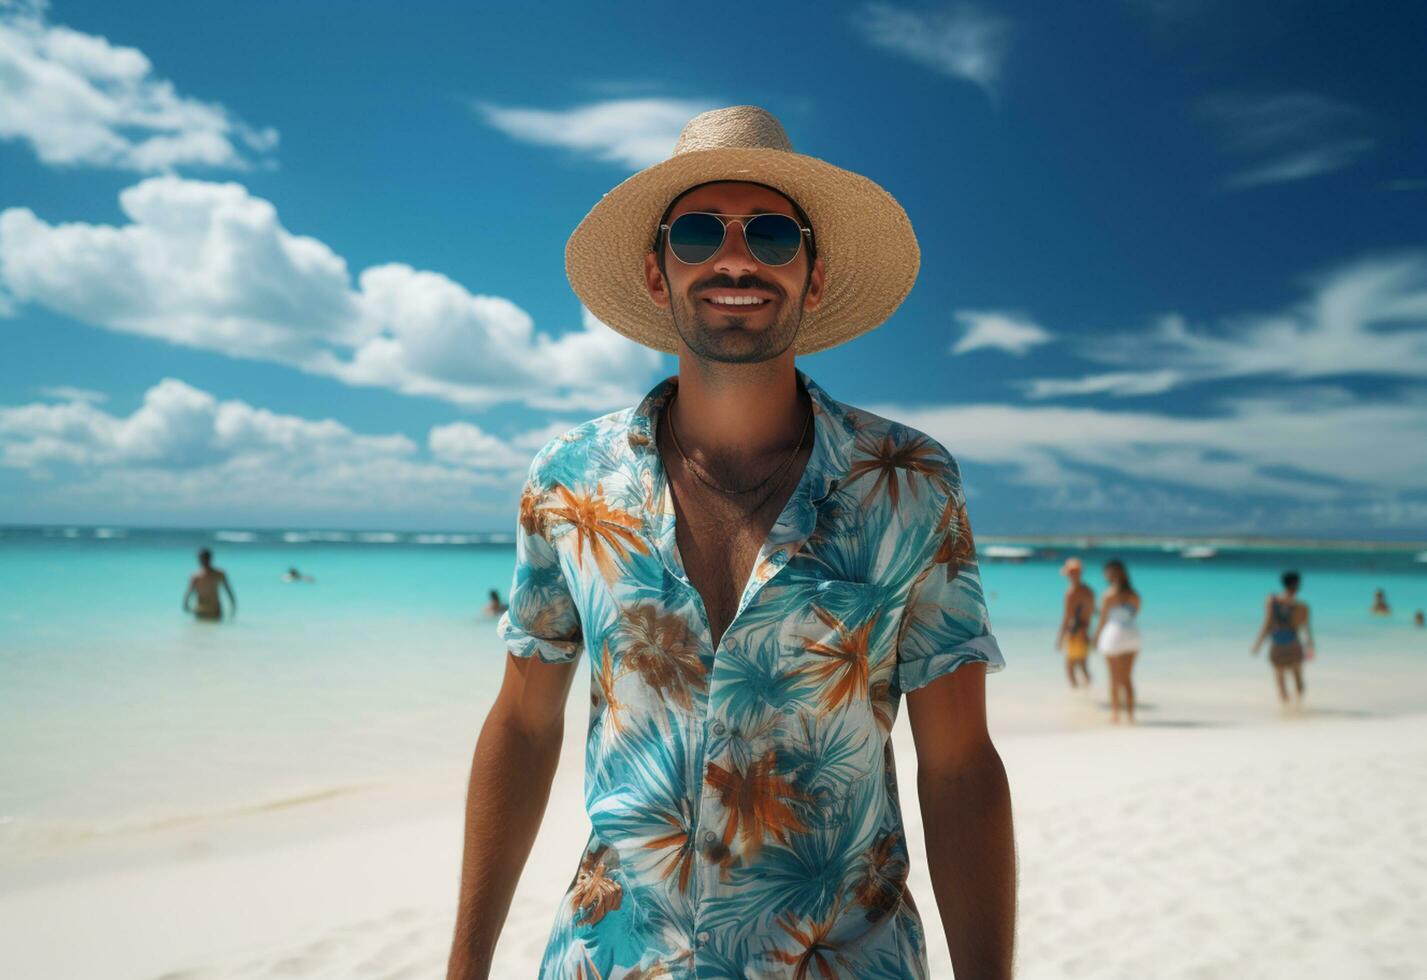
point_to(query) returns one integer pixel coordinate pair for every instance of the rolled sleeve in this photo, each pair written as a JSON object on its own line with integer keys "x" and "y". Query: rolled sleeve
{"x": 541, "y": 619}
{"x": 945, "y": 623}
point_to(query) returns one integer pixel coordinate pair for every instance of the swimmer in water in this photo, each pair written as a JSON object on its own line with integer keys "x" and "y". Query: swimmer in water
{"x": 203, "y": 587}
{"x": 495, "y": 607}
{"x": 1379, "y": 604}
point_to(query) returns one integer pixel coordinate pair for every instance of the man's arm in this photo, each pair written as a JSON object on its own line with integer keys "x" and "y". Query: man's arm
{"x": 192, "y": 581}
{"x": 966, "y": 815}
{"x": 516, "y": 755}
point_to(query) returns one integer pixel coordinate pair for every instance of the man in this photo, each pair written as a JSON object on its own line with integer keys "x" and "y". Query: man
{"x": 1074, "y": 635}
{"x": 203, "y": 586}
{"x": 1285, "y": 622}
{"x": 758, "y": 573}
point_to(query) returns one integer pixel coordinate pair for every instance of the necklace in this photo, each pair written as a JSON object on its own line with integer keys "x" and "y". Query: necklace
{"x": 712, "y": 484}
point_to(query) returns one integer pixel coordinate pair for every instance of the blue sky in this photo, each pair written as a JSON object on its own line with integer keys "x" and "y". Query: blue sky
{"x": 301, "y": 264}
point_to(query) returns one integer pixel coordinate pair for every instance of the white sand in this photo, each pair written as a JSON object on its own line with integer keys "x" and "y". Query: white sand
{"x": 1295, "y": 848}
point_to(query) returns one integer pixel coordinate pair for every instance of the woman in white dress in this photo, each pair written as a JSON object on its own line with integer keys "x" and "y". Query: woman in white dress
{"x": 1118, "y": 637}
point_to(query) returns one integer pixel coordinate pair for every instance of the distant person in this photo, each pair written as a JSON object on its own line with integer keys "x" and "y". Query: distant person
{"x": 293, "y": 575}
{"x": 1418, "y": 619}
{"x": 1379, "y": 603}
{"x": 495, "y": 607}
{"x": 203, "y": 588}
{"x": 1118, "y": 638}
{"x": 1074, "y": 635}
{"x": 1285, "y": 623}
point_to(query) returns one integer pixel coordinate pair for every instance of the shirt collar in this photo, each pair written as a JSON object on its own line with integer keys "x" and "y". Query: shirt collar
{"x": 833, "y": 433}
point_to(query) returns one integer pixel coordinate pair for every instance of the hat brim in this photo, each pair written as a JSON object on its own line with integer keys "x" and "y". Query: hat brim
{"x": 869, "y": 252}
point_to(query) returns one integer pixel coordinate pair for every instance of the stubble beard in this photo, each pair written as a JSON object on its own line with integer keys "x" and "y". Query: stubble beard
{"x": 725, "y": 340}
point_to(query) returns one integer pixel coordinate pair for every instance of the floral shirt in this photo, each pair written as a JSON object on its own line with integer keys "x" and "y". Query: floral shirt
{"x": 743, "y": 798}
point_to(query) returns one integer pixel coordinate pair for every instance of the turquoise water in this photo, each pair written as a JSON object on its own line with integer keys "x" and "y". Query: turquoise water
{"x": 117, "y": 709}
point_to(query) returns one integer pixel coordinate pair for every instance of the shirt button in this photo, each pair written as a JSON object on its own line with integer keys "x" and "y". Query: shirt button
{"x": 710, "y": 836}
{"x": 702, "y": 937}
{"x": 718, "y": 728}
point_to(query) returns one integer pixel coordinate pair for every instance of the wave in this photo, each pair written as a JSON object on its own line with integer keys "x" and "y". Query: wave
{"x": 235, "y": 537}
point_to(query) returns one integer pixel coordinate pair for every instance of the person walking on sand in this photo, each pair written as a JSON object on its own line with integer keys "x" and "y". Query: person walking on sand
{"x": 1074, "y": 635}
{"x": 1285, "y": 624}
{"x": 1118, "y": 637}
{"x": 758, "y": 573}
{"x": 203, "y": 588}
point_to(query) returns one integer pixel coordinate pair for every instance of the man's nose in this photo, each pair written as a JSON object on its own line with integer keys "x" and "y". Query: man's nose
{"x": 733, "y": 257}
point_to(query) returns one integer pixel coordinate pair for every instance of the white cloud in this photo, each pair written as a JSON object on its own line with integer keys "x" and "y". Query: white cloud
{"x": 70, "y": 393}
{"x": 207, "y": 265}
{"x": 79, "y": 100}
{"x": 1305, "y": 448}
{"x": 184, "y": 449}
{"x": 1118, "y": 383}
{"x": 632, "y": 132}
{"x": 962, "y": 41}
{"x": 994, "y": 330}
{"x": 1367, "y": 318}
{"x": 1286, "y": 136}
{"x": 465, "y": 444}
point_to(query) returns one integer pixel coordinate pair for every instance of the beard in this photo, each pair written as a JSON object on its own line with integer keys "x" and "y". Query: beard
{"x": 728, "y": 338}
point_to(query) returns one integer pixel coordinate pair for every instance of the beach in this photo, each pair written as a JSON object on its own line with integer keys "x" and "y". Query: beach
{"x": 285, "y": 799}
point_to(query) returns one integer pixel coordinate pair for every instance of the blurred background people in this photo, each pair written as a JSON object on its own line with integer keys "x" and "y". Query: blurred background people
{"x": 202, "y": 598}
{"x": 1074, "y": 635}
{"x": 1284, "y": 625}
{"x": 1118, "y": 637}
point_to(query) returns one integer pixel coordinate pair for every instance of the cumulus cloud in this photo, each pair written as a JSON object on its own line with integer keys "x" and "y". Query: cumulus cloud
{"x": 1306, "y": 447}
{"x": 993, "y": 330}
{"x": 962, "y": 41}
{"x": 79, "y": 100}
{"x": 208, "y": 265}
{"x": 466, "y": 444}
{"x": 1366, "y": 318}
{"x": 634, "y": 133}
{"x": 183, "y": 448}
{"x": 1286, "y": 136}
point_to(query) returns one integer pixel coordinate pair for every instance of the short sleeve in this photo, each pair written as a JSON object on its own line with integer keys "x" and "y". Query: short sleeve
{"x": 945, "y": 623}
{"x": 541, "y": 618}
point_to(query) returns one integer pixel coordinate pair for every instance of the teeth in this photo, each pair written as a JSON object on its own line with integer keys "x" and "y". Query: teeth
{"x": 737, "y": 300}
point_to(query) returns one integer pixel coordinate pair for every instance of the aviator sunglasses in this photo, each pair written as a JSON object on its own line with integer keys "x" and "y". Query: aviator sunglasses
{"x": 773, "y": 239}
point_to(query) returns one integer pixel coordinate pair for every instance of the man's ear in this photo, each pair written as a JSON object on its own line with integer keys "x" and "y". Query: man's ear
{"x": 813, "y": 294}
{"x": 654, "y": 281}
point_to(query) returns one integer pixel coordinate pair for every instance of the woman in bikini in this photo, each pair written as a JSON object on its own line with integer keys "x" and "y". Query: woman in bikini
{"x": 1118, "y": 637}
{"x": 1285, "y": 622}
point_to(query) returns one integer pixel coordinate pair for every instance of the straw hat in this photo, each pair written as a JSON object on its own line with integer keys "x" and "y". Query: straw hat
{"x": 862, "y": 234}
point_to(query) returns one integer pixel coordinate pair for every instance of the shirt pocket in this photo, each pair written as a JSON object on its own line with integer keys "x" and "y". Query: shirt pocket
{"x": 835, "y": 645}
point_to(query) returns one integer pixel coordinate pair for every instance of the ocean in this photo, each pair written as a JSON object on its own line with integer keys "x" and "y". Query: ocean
{"x": 119, "y": 713}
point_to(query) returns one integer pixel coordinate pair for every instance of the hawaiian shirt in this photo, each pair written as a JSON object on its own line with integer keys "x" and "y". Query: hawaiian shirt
{"x": 743, "y": 798}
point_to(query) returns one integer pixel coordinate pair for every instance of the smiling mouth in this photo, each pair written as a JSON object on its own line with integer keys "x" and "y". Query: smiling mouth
{"x": 737, "y": 302}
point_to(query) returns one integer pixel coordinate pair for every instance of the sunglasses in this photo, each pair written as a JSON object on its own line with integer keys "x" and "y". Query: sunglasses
{"x": 773, "y": 239}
